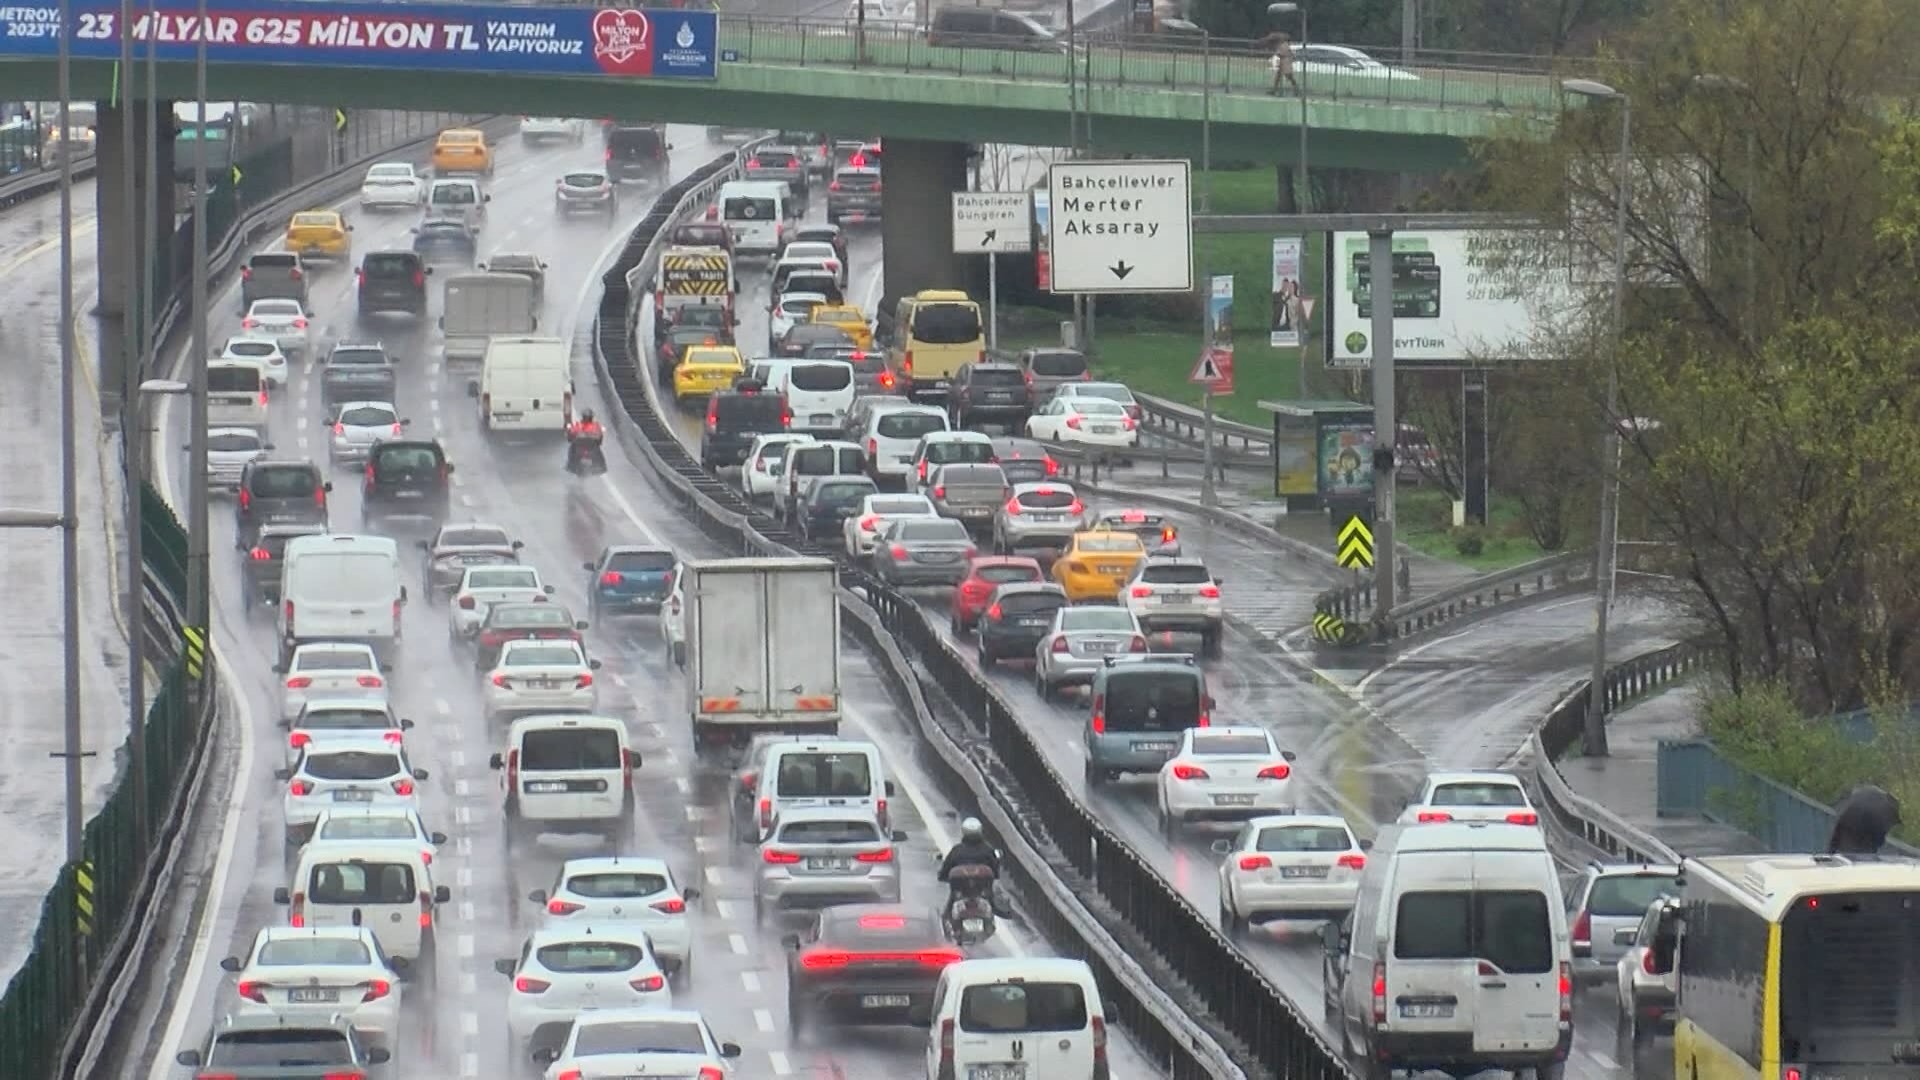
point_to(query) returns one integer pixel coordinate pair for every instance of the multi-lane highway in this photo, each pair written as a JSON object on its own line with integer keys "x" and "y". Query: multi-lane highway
{"x": 456, "y": 1013}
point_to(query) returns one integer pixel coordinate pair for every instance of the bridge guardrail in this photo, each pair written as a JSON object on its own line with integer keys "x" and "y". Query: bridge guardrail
{"x": 30, "y": 184}
{"x": 58, "y": 1013}
{"x": 1158, "y": 940}
{"x": 1343, "y": 615}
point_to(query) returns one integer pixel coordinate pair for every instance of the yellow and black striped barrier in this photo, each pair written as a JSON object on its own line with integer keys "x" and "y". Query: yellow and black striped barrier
{"x": 83, "y": 897}
{"x": 1328, "y": 628}
{"x": 196, "y": 650}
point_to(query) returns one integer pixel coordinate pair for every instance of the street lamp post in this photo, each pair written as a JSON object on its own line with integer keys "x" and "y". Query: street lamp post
{"x": 1304, "y": 198}
{"x": 66, "y": 519}
{"x": 1607, "y": 550}
{"x": 197, "y": 528}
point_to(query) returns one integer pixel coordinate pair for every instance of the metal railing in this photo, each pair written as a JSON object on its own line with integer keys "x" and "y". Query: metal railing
{"x": 1694, "y": 778}
{"x": 1152, "y": 944}
{"x": 1344, "y": 614}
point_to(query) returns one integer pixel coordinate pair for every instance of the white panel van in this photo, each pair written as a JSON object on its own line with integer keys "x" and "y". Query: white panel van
{"x": 755, "y": 212}
{"x": 237, "y": 394}
{"x": 341, "y": 587}
{"x": 386, "y": 887}
{"x": 1022, "y": 1016}
{"x": 526, "y": 384}
{"x": 818, "y": 393}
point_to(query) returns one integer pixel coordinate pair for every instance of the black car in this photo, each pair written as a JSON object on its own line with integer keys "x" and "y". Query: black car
{"x": 830, "y": 501}
{"x": 854, "y": 193}
{"x": 806, "y": 336}
{"x": 358, "y": 372}
{"x": 996, "y": 393}
{"x": 734, "y": 418}
{"x": 278, "y": 493}
{"x": 1017, "y": 616}
{"x": 406, "y": 478}
{"x": 637, "y": 153}
{"x": 260, "y": 579}
{"x": 589, "y": 191}
{"x": 512, "y": 622}
{"x": 866, "y": 964}
{"x": 447, "y": 240}
{"x": 393, "y": 281}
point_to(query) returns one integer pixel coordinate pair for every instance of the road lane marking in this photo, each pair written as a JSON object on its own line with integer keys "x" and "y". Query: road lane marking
{"x": 763, "y": 1019}
{"x": 781, "y": 1067}
{"x": 738, "y": 942}
{"x": 713, "y": 876}
{"x": 750, "y": 980}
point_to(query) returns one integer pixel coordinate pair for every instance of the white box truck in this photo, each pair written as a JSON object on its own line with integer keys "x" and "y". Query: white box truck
{"x": 763, "y": 652}
{"x": 476, "y": 307}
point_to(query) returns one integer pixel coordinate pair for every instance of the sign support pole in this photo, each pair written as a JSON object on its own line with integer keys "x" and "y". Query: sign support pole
{"x": 1380, "y": 274}
{"x": 993, "y": 300}
{"x": 1207, "y": 494}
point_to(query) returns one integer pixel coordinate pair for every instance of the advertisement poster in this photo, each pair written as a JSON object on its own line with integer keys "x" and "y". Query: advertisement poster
{"x": 1286, "y": 330}
{"x": 1459, "y": 299}
{"x": 1215, "y": 369}
{"x": 1346, "y": 456}
{"x": 1042, "y": 241}
{"x": 617, "y": 43}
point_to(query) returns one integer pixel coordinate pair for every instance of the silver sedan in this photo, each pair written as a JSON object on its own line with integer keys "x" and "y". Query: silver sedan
{"x": 1037, "y": 515}
{"x": 923, "y": 551}
{"x": 1081, "y": 639}
{"x": 229, "y": 451}
{"x": 357, "y": 425}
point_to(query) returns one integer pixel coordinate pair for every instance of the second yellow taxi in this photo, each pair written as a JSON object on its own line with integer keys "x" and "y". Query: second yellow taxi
{"x": 1097, "y": 564}
{"x": 462, "y": 150}
{"x": 706, "y": 369}
{"x": 319, "y": 234}
{"x": 847, "y": 317}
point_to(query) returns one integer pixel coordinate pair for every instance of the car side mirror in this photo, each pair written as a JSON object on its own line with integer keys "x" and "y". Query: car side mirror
{"x": 548, "y": 589}
{"x": 401, "y": 965}
{"x": 631, "y": 757}
{"x": 279, "y": 669}
{"x": 1366, "y": 845}
{"x": 449, "y": 469}
{"x": 286, "y": 722}
{"x": 486, "y": 198}
{"x": 419, "y": 774}
{"x": 899, "y": 836}
{"x": 1108, "y": 1010}
{"x": 443, "y": 322}
{"x": 266, "y": 446}
{"x": 386, "y": 669}
{"x": 283, "y": 774}
{"x": 588, "y": 567}
{"x": 593, "y": 665}
{"x": 494, "y": 762}
{"x": 1625, "y": 935}
{"x": 729, "y": 1050}
{"x": 437, "y": 838}
{"x": 669, "y": 146}
{"x": 691, "y": 892}
{"x": 441, "y": 894}
{"x": 504, "y": 967}
{"x": 415, "y": 230}
{"x": 281, "y": 896}
{"x": 349, "y": 228}
{"x": 231, "y": 963}
{"x": 888, "y": 787}
{"x": 790, "y": 941}
{"x": 581, "y": 625}
{"x": 546, "y": 1055}
{"x": 328, "y": 486}
{"x": 404, "y": 422}
{"x": 473, "y": 388}
{"x": 517, "y": 544}
{"x": 1330, "y": 937}
{"x": 189, "y": 1058}
{"x": 1219, "y": 581}
{"x": 1289, "y": 755}
{"x": 1223, "y": 847}
{"x": 428, "y": 270}
{"x": 538, "y": 896}
{"x": 406, "y": 725}
{"x": 423, "y": 545}
{"x": 379, "y": 1055}
{"x": 480, "y": 266}
{"x": 1208, "y": 703}
{"x": 403, "y": 594}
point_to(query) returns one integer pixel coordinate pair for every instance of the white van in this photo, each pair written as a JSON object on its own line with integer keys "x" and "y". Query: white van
{"x": 808, "y": 462}
{"x": 755, "y": 212}
{"x": 386, "y": 887}
{"x": 341, "y": 587}
{"x": 236, "y": 394}
{"x": 526, "y": 384}
{"x": 1025, "y": 1016}
{"x": 476, "y": 307}
{"x": 832, "y": 773}
{"x": 1456, "y": 956}
{"x": 568, "y": 773}
{"x": 818, "y": 393}
{"x": 458, "y": 198}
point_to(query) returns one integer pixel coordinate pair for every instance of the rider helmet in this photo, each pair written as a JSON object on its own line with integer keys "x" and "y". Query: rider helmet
{"x": 586, "y": 416}
{"x": 970, "y": 829}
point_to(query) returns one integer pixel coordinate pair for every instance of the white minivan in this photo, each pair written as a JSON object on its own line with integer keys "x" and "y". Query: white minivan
{"x": 525, "y": 385}
{"x": 341, "y": 587}
{"x": 386, "y": 887}
{"x": 1021, "y": 1016}
{"x": 1456, "y": 957}
{"x": 834, "y": 772}
{"x": 568, "y": 773}
{"x": 818, "y": 393}
{"x": 755, "y": 212}
{"x": 236, "y": 394}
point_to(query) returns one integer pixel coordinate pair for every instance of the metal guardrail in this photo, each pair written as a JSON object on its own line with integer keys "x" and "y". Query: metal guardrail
{"x": 56, "y": 1023}
{"x": 41, "y": 180}
{"x": 1695, "y": 778}
{"x": 1344, "y": 613}
{"x": 1159, "y": 943}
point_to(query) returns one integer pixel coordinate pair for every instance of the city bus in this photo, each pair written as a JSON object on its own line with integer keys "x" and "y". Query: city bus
{"x": 1798, "y": 967}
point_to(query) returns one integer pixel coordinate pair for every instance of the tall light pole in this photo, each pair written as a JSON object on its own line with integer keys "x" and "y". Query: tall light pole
{"x": 197, "y": 529}
{"x": 69, "y": 487}
{"x": 132, "y": 441}
{"x": 1607, "y": 550}
{"x": 1304, "y": 198}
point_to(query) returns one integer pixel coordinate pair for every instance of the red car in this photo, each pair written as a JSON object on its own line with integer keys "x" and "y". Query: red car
{"x": 985, "y": 574}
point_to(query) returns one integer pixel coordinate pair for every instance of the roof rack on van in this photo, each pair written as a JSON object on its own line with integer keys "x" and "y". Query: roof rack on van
{"x": 1151, "y": 658}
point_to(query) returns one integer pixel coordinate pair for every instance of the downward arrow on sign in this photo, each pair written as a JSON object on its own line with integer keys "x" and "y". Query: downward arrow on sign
{"x": 1121, "y": 269}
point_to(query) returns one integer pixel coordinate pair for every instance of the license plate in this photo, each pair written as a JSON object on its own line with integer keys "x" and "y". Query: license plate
{"x": 823, "y": 418}
{"x": 404, "y": 494}
{"x": 1233, "y": 800}
{"x": 544, "y": 684}
{"x": 903, "y": 459}
{"x": 973, "y": 926}
{"x": 885, "y": 1001}
{"x": 999, "y": 397}
{"x": 1303, "y": 871}
{"x": 312, "y": 997}
{"x": 507, "y": 415}
{"x": 546, "y": 787}
{"x": 1426, "y": 1010}
{"x": 353, "y": 795}
{"x": 824, "y": 863}
{"x": 1006, "y": 1070}
{"x": 974, "y": 512}
{"x": 1101, "y": 646}
{"x": 1035, "y": 620}
{"x": 1103, "y": 429}
{"x": 1113, "y": 569}
{"x": 1153, "y": 748}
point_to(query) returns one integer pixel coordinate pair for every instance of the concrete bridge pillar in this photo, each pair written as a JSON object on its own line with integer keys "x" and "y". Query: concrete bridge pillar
{"x": 916, "y": 217}
{"x": 118, "y": 280}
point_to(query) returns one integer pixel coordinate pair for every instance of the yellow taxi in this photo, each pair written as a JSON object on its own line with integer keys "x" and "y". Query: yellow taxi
{"x": 462, "y": 150}
{"x": 706, "y": 369}
{"x": 1097, "y": 564}
{"x": 317, "y": 233}
{"x": 848, "y": 318}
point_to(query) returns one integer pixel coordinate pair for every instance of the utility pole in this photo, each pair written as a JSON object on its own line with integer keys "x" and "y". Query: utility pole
{"x": 132, "y": 434}
{"x": 197, "y": 579}
{"x": 1380, "y": 293}
{"x": 1208, "y": 496}
{"x": 69, "y": 485}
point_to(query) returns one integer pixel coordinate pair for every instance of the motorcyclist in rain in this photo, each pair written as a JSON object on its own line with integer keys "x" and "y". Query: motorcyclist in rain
{"x": 972, "y": 850}
{"x": 583, "y": 440}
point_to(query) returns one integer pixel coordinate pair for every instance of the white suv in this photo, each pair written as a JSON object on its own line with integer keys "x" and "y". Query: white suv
{"x": 1177, "y": 595}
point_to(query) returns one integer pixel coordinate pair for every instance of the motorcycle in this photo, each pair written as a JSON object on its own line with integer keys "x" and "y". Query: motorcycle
{"x": 585, "y": 456}
{"x": 968, "y": 918}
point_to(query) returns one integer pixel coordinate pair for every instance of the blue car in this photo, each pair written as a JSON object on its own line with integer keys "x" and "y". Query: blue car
{"x": 629, "y": 579}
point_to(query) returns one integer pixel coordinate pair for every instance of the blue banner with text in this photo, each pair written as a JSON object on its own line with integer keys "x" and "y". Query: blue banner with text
{"x": 624, "y": 43}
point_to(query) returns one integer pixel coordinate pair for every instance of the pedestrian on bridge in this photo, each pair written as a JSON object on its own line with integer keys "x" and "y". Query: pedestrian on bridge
{"x": 1282, "y": 61}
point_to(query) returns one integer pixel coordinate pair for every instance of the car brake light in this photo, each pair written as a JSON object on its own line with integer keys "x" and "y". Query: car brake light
{"x": 1583, "y": 932}
{"x": 780, "y": 858}
{"x": 249, "y": 323}
{"x": 501, "y": 682}
{"x": 300, "y": 787}
{"x": 1073, "y": 422}
{"x": 466, "y": 603}
{"x": 996, "y": 614}
{"x": 710, "y": 1072}
{"x": 1646, "y": 962}
{"x": 876, "y": 187}
{"x": 922, "y": 472}
{"x": 1255, "y": 862}
{"x": 867, "y": 523}
{"x": 886, "y": 380}
{"x": 675, "y": 906}
{"x": 1523, "y": 817}
{"x": 1126, "y": 422}
{"x": 525, "y": 985}
{"x": 1566, "y": 992}
{"x": 883, "y": 855}
{"x": 1167, "y": 534}
{"x": 569, "y": 1074}
{"x": 263, "y": 397}
{"x": 1076, "y": 507}
{"x": 1059, "y": 645}
{"x": 393, "y": 737}
{"x": 419, "y": 279}
{"x": 403, "y": 787}
{"x": 873, "y": 448}
{"x": 1099, "y": 720}
{"x": 1013, "y": 507}
{"x": 1184, "y": 771}
{"x": 287, "y": 616}
{"x": 246, "y": 273}
{"x": 1352, "y": 862}
{"x": 582, "y": 681}
{"x": 1053, "y": 467}
{"x": 766, "y": 813}
{"x": 752, "y": 164}
{"x": 376, "y": 989}
{"x": 246, "y": 498}
{"x": 370, "y": 682}
{"x": 299, "y": 739}
{"x": 612, "y": 577}
{"x": 1379, "y": 992}
{"x": 835, "y": 186}
{"x": 1142, "y": 591}
{"x": 562, "y": 907}
{"x": 652, "y": 984}
{"x": 907, "y": 361}
{"x": 299, "y": 682}
{"x": 1275, "y": 772}
{"x": 1210, "y": 592}
{"x": 252, "y": 990}
{"x": 1429, "y": 817}
{"x": 396, "y": 429}
{"x": 1138, "y": 644}
{"x": 299, "y": 324}
{"x": 899, "y": 552}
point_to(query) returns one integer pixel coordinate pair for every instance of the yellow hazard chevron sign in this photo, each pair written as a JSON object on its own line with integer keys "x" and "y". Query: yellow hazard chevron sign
{"x": 1354, "y": 544}
{"x": 83, "y": 897}
{"x": 1328, "y": 628}
{"x": 196, "y": 649}
{"x": 696, "y": 275}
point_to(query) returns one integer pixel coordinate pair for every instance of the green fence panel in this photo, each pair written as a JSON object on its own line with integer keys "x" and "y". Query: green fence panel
{"x": 45, "y": 993}
{"x": 163, "y": 541}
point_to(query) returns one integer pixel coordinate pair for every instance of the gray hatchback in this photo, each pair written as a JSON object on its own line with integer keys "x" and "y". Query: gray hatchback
{"x": 265, "y": 1047}
{"x": 923, "y": 551}
{"x": 1140, "y": 707}
{"x": 1608, "y": 898}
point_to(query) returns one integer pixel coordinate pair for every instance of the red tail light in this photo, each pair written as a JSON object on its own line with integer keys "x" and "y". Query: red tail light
{"x": 1059, "y": 645}
{"x": 752, "y": 164}
{"x": 1255, "y": 862}
{"x": 525, "y": 985}
{"x": 1053, "y": 467}
{"x": 608, "y": 156}
{"x": 1142, "y": 591}
{"x": 675, "y": 906}
{"x": 1073, "y": 422}
{"x": 1138, "y": 644}
{"x": 396, "y": 429}
{"x": 395, "y": 738}
{"x": 1646, "y": 962}
{"x": 1566, "y": 992}
{"x": 652, "y": 984}
{"x": 710, "y": 1072}
{"x": 766, "y": 813}
{"x": 562, "y": 907}
{"x": 1166, "y": 536}
{"x": 1431, "y": 817}
{"x": 1077, "y": 507}
{"x": 779, "y": 858}
{"x": 376, "y": 989}
{"x": 923, "y": 469}
{"x": 1126, "y": 423}
{"x": 403, "y": 787}
{"x": 907, "y": 361}
{"x": 899, "y": 552}
{"x": 263, "y": 397}
{"x": 466, "y": 603}
{"x": 320, "y": 493}
{"x": 1086, "y": 376}
{"x": 876, "y": 187}
{"x": 246, "y": 273}
{"x": 886, "y": 380}
{"x": 1583, "y": 931}
{"x": 1210, "y": 592}
{"x": 946, "y": 1046}
{"x": 501, "y": 682}
{"x": 1523, "y": 817}
{"x": 1352, "y": 862}
{"x": 298, "y": 739}
{"x": 297, "y": 914}
{"x": 287, "y": 615}
{"x": 940, "y": 491}
{"x": 1275, "y": 772}
{"x": 299, "y": 682}
{"x": 513, "y": 770}
{"x": 873, "y": 448}
{"x": 883, "y": 855}
{"x": 612, "y": 577}
{"x": 1379, "y": 992}
{"x": 569, "y": 1074}
{"x": 252, "y": 990}
{"x": 419, "y": 279}
{"x": 1183, "y": 771}
{"x": 582, "y": 681}
{"x": 246, "y": 498}
{"x": 1099, "y": 720}
{"x": 835, "y": 186}
{"x": 867, "y": 523}
{"x": 1013, "y": 506}
{"x": 1099, "y": 1045}
{"x": 370, "y": 682}
{"x": 299, "y": 324}
{"x": 996, "y": 614}
{"x": 300, "y": 787}
{"x": 249, "y": 323}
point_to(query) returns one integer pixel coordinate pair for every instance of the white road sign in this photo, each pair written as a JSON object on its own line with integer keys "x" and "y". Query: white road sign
{"x": 1120, "y": 226}
{"x": 992, "y": 222}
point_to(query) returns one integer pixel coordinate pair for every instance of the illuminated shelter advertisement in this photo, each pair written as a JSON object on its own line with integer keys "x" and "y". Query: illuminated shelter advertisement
{"x": 1346, "y": 457}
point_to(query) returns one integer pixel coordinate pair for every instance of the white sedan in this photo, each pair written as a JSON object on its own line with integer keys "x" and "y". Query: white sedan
{"x": 312, "y": 973}
{"x": 535, "y": 129}
{"x": 1471, "y": 796}
{"x": 330, "y": 669}
{"x": 357, "y": 425}
{"x": 1093, "y": 422}
{"x": 258, "y": 349}
{"x": 629, "y": 889}
{"x": 285, "y": 321}
{"x": 862, "y": 530}
{"x": 378, "y": 825}
{"x": 566, "y": 972}
{"x": 814, "y": 253}
{"x": 540, "y": 675}
{"x": 326, "y": 718}
{"x": 790, "y": 309}
{"x": 1225, "y": 774}
{"x": 1291, "y": 867}
{"x": 360, "y": 770}
{"x": 392, "y": 185}
{"x": 677, "y": 1042}
{"x": 767, "y": 462}
{"x": 481, "y": 587}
